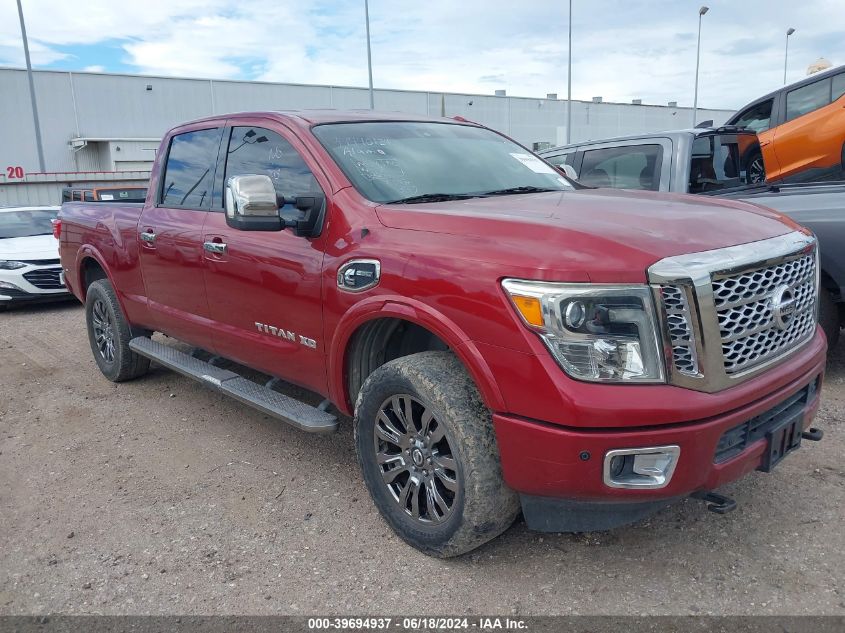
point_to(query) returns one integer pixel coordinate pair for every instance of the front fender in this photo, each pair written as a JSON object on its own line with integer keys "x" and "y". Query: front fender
{"x": 385, "y": 306}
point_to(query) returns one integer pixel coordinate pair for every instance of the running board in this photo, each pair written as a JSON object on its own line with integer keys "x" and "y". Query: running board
{"x": 260, "y": 397}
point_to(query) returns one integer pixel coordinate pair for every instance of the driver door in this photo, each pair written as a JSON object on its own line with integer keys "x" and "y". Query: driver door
{"x": 264, "y": 287}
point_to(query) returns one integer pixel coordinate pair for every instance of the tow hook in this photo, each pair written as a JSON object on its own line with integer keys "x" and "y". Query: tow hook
{"x": 813, "y": 434}
{"x": 720, "y": 504}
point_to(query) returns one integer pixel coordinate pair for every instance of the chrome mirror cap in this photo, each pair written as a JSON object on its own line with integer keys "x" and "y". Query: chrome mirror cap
{"x": 251, "y": 195}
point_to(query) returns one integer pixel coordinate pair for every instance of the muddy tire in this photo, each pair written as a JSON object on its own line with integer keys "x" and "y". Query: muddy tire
{"x": 829, "y": 317}
{"x": 109, "y": 334}
{"x": 428, "y": 453}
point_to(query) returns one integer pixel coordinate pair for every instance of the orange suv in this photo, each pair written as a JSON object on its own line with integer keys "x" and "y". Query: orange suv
{"x": 801, "y": 128}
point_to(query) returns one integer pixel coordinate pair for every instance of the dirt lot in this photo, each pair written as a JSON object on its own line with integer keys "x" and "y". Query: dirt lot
{"x": 157, "y": 496}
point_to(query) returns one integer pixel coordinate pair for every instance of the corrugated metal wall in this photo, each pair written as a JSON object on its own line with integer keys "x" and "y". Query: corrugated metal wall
{"x": 120, "y": 106}
{"x": 46, "y": 189}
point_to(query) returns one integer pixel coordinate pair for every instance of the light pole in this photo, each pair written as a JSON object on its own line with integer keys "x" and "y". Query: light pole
{"x": 31, "y": 91}
{"x": 569, "y": 82}
{"x": 701, "y": 13}
{"x": 369, "y": 55}
{"x": 789, "y": 32}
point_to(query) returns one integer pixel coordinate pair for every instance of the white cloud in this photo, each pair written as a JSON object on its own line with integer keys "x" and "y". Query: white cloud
{"x": 95, "y": 68}
{"x": 623, "y": 49}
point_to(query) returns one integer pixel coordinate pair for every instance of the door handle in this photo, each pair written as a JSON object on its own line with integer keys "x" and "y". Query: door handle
{"x": 218, "y": 248}
{"x": 148, "y": 236}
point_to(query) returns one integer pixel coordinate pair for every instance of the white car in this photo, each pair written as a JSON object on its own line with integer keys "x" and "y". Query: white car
{"x": 29, "y": 256}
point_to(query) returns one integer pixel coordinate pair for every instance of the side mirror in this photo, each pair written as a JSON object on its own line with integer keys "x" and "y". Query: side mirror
{"x": 313, "y": 210}
{"x": 569, "y": 171}
{"x": 251, "y": 204}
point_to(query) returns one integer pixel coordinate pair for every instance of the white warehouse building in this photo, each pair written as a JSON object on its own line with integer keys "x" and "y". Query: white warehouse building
{"x": 105, "y": 128}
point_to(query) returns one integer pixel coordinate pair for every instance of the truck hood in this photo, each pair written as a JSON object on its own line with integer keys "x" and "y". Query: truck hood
{"x": 33, "y": 248}
{"x": 605, "y": 234}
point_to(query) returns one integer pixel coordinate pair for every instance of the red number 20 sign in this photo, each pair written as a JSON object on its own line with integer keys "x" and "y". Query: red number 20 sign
{"x": 14, "y": 172}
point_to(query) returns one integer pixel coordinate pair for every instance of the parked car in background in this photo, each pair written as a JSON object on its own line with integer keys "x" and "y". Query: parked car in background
{"x": 29, "y": 256}
{"x": 705, "y": 161}
{"x": 686, "y": 161}
{"x": 801, "y": 128}
{"x": 104, "y": 194}
{"x": 504, "y": 339}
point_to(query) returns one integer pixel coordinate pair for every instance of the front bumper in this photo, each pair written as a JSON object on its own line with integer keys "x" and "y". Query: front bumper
{"x": 558, "y": 470}
{"x": 33, "y": 283}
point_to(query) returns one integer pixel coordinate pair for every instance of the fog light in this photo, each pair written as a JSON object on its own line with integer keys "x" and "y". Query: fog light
{"x": 640, "y": 467}
{"x": 8, "y": 286}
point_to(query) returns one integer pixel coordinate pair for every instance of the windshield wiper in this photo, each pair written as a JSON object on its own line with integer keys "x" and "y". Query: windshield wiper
{"x": 433, "y": 197}
{"x": 515, "y": 190}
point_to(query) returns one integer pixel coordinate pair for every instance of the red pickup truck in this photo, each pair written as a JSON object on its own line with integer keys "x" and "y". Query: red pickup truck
{"x": 503, "y": 338}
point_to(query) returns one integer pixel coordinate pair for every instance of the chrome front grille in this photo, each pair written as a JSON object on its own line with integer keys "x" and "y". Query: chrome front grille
{"x": 745, "y": 311}
{"x": 679, "y": 324}
{"x": 729, "y": 314}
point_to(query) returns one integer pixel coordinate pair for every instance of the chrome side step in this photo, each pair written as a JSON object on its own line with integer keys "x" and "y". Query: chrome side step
{"x": 260, "y": 397}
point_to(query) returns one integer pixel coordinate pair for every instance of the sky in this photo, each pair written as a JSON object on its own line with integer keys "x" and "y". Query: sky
{"x": 622, "y": 50}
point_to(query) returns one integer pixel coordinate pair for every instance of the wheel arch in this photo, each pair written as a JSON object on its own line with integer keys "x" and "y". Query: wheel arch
{"x": 419, "y": 319}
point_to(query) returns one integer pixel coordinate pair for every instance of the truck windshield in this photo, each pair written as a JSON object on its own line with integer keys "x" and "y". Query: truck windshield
{"x": 26, "y": 223}
{"x": 403, "y": 161}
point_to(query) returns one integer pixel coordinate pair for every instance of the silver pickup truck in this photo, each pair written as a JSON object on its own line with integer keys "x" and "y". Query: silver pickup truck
{"x": 723, "y": 162}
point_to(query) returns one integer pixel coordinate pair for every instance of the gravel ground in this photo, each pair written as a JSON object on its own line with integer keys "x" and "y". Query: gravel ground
{"x": 159, "y": 497}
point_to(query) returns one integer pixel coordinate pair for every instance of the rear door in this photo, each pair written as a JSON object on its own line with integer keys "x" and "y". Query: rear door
{"x": 170, "y": 234}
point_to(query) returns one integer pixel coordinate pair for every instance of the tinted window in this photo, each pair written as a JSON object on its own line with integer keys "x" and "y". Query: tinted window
{"x": 26, "y": 223}
{"x": 190, "y": 169}
{"x": 757, "y": 117}
{"x": 254, "y": 150}
{"x": 807, "y": 99}
{"x": 129, "y": 194}
{"x": 717, "y": 161}
{"x": 89, "y": 196}
{"x": 838, "y": 86}
{"x": 629, "y": 167}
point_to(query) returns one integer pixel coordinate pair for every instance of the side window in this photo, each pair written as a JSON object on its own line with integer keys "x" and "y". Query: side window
{"x": 757, "y": 117}
{"x": 89, "y": 196}
{"x": 77, "y": 195}
{"x": 806, "y": 99}
{"x": 189, "y": 171}
{"x": 628, "y": 167}
{"x": 255, "y": 150}
{"x": 715, "y": 163}
{"x": 838, "y": 88}
{"x": 561, "y": 159}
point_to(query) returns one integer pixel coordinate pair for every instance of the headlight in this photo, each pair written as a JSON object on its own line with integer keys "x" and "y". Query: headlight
{"x": 595, "y": 332}
{"x": 10, "y": 265}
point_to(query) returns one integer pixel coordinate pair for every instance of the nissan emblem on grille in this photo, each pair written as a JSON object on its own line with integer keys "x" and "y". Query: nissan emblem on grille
{"x": 763, "y": 311}
{"x": 723, "y": 325}
{"x": 783, "y": 307}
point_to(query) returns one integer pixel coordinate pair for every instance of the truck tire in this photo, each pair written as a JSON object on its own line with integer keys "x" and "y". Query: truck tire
{"x": 109, "y": 335}
{"x": 437, "y": 481}
{"x": 829, "y": 317}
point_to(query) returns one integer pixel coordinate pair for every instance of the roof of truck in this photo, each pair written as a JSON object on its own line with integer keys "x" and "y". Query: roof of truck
{"x": 316, "y": 117}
